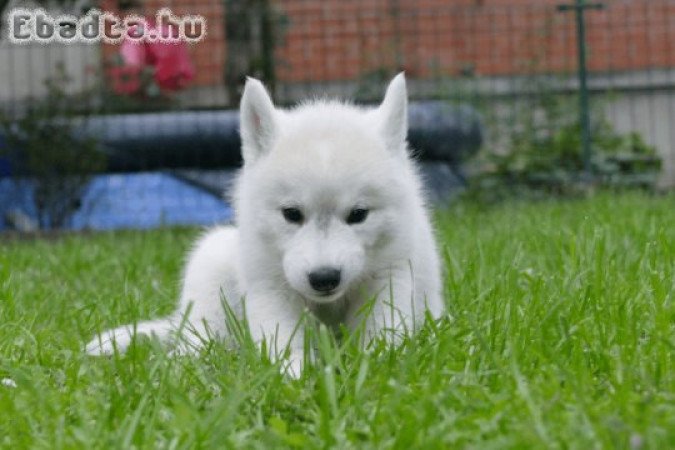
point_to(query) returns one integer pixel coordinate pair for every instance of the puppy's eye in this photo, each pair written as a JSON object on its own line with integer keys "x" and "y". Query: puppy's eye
{"x": 293, "y": 215}
{"x": 357, "y": 215}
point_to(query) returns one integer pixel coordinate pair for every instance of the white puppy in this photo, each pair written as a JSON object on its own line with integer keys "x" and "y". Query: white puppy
{"x": 329, "y": 216}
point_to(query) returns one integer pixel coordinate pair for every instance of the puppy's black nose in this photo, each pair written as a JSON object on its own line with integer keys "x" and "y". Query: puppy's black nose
{"x": 324, "y": 279}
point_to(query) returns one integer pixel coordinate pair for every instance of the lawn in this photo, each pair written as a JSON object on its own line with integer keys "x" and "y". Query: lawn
{"x": 560, "y": 333}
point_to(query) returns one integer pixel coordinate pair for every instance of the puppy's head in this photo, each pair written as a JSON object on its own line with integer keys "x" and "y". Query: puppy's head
{"x": 324, "y": 188}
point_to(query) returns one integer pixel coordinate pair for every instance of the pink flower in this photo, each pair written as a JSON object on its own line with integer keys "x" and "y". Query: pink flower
{"x": 171, "y": 61}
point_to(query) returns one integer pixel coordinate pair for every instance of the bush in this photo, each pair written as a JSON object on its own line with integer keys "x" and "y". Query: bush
{"x": 44, "y": 151}
{"x": 543, "y": 155}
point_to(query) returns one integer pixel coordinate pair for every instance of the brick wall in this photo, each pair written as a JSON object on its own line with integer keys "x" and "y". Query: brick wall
{"x": 343, "y": 39}
{"x": 340, "y": 39}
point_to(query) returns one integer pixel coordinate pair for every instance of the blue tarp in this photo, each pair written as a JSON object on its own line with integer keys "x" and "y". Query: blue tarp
{"x": 139, "y": 200}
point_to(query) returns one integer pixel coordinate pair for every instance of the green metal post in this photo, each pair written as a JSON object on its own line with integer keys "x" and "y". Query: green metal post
{"x": 580, "y": 8}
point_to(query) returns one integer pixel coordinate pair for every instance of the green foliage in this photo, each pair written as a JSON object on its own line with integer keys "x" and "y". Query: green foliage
{"x": 541, "y": 152}
{"x": 254, "y": 30}
{"x": 45, "y": 151}
{"x": 559, "y": 334}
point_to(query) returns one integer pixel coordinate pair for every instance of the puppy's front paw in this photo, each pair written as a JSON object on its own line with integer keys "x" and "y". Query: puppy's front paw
{"x": 108, "y": 341}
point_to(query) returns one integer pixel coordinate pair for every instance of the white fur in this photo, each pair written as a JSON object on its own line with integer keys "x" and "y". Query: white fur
{"x": 324, "y": 158}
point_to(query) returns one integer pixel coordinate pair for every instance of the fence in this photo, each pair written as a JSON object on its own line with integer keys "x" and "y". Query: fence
{"x": 513, "y": 61}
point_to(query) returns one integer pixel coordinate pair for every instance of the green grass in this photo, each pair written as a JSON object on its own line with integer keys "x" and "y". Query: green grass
{"x": 560, "y": 333}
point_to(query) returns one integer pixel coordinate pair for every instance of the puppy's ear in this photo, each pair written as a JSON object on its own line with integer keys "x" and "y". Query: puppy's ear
{"x": 257, "y": 121}
{"x": 393, "y": 115}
